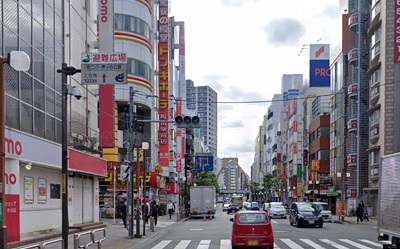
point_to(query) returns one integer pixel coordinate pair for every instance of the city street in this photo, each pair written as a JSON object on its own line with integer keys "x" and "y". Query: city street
{"x": 196, "y": 233}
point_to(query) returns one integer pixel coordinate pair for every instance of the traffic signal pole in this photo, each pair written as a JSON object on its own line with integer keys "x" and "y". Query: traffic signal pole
{"x": 132, "y": 112}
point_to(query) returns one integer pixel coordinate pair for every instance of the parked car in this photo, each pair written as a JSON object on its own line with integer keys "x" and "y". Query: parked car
{"x": 252, "y": 229}
{"x": 323, "y": 208}
{"x": 303, "y": 214}
{"x": 275, "y": 209}
{"x": 254, "y": 206}
{"x": 233, "y": 208}
{"x": 225, "y": 207}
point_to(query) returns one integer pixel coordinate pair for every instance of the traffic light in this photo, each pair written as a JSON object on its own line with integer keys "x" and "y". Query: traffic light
{"x": 187, "y": 122}
{"x": 123, "y": 172}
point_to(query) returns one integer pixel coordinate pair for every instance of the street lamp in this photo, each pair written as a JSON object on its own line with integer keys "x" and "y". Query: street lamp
{"x": 313, "y": 183}
{"x": 20, "y": 61}
{"x": 66, "y": 90}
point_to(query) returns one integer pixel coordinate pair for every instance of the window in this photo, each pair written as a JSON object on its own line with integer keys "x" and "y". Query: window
{"x": 55, "y": 191}
{"x": 374, "y": 157}
{"x": 374, "y": 118}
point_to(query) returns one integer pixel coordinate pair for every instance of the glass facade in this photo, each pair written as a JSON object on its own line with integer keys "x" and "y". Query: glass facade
{"x": 33, "y": 98}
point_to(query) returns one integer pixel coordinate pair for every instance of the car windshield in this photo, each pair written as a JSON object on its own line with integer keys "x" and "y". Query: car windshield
{"x": 255, "y": 218}
{"x": 320, "y": 206}
{"x": 305, "y": 208}
{"x": 277, "y": 206}
{"x": 254, "y": 204}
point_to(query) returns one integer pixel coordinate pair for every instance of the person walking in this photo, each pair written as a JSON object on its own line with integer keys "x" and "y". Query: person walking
{"x": 360, "y": 212}
{"x": 154, "y": 212}
{"x": 122, "y": 212}
{"x": 170, "y": 208}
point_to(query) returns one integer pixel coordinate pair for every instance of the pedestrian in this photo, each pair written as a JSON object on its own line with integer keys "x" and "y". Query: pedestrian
{"x": 146, "y": 210}
{"x": 122, "y": 212}
{"x": 154, "y": 211}
{"x": 360, "y": 212}
{"x": 170, "y": 208}
{"x": 148, "y": 213}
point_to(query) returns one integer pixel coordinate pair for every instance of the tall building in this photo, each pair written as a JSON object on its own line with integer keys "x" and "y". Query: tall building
{"x": 230, "y": 167}
{"x": 33, "y": 134}
{"x": 203, "y": 101}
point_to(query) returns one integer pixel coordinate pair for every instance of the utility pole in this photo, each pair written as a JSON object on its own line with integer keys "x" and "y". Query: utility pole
{"x": 137, "y": 184}
{"x": 132, "y": 112}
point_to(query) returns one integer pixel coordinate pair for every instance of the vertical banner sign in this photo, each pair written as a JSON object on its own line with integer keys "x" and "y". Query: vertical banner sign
{"x": 163, "y": 69}
{"x": 182, "y": 76}
{"x": 397, "y": 32}
{"x": 106, "y": 25}
{"x": 320, "y": 73}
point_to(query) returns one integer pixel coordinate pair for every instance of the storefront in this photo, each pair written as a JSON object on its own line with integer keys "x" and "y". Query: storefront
{"x": 33, "y": 185}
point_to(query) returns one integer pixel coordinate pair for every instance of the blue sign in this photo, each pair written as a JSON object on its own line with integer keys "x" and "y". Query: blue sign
{"x": 320, "y": 73}
{"x": 204, "y": 162}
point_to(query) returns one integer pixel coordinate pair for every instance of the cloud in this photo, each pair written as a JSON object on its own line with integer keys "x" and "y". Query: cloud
{"x": 284, "y": 31}
{"x": 330, "y": 11}
{"x": 232, "y": 124}
{"x": 232, "y": 149}
{"x": 214, "y": 81}
{"x": 236, "y": 3}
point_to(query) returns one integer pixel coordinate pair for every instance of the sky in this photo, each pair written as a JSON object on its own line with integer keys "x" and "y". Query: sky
{"x": 241, "y": 49}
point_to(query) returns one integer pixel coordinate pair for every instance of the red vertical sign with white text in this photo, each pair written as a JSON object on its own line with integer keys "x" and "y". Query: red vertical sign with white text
{"x": 397, "y": 31}
{"x": 163, "y": 69}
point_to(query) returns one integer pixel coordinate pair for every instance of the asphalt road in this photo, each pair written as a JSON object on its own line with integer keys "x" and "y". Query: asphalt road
{"x": 216, "y": 233}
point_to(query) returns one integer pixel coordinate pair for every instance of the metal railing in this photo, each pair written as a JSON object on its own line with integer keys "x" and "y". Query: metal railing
{"x": 81, "y": 240}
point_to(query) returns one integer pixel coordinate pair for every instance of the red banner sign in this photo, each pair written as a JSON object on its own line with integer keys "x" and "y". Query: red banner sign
{"x": 396, "y": 32}
{"x": 163, "y": 69}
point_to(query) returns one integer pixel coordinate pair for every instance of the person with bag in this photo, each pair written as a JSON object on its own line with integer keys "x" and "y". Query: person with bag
{"x": 170, "y": 208}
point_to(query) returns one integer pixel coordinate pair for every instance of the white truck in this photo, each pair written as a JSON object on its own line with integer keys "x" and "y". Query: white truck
{"x": 202, "y": 201}
{"x": 389, "y": 201}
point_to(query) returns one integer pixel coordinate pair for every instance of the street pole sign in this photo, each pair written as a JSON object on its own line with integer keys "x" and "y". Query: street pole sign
{"x": 204, "y": 162}
{"x": 104, "y": 68}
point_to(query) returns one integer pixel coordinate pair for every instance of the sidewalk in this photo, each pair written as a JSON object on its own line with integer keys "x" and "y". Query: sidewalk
{"x": 353, "y": 220}
{"x": 117, "y": 236}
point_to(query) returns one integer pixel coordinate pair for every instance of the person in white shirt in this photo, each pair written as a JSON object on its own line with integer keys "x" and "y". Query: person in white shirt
{"x": 170, "y": 208}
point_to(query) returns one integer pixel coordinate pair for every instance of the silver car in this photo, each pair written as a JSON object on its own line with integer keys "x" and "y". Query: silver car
{"x": 276, "y": 210}
{"x": 323, "y": 208}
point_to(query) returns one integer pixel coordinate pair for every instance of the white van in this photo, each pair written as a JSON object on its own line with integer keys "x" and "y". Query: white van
{"x": 323, "y": 207}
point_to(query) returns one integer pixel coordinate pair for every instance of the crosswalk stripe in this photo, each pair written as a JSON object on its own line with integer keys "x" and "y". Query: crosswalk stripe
{"x": 276, "y": 246}
{"x": 162, "y": 244}
{"x": 370, "y": 242}
{"x": 312, "y": 243}
{"x": 292, "y": 244}
{"x": 204, "y": 244}
{"x": 355, "y": 244}
{"x": 183, "y": 244}
{"x": 334, "y": 244}
{"x": 225, "y": 244}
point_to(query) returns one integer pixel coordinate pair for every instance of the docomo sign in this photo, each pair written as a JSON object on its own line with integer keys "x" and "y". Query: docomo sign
{"x": 13, "y": 147}
{"x": 104, "y": 8}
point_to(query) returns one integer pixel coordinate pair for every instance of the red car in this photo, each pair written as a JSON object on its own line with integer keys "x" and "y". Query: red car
{"x": 252, "y": 228}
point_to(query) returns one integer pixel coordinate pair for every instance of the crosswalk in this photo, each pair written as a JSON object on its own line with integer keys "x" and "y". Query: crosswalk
{"x": 282, "y": 243}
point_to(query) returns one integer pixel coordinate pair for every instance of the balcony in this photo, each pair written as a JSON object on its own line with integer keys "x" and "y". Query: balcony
{"x": 353, "y": 20}
{"x": 352, "y": 90}
{"x": 374, "y": 95}
{"x": 374, "y": 133}
{"x": 353, "y": 56}
{"x": 351, "y": 159}
{"x": 352, "y": 124}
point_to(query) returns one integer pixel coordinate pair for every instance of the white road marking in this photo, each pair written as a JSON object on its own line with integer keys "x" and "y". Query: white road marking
{"x": 371, "y": 242}
{"x": 183, "y": 244}
{"x": 312, "y": 243}
{"x": 162, "y": 244}
{"x": 225, "y": 244}
{"x": 355, "y": 244}
{"x": 196, "y": 229}
{"x": 291, "y": 244}
{"x": 334, "y": 244}
{"x": 204, "y": 244}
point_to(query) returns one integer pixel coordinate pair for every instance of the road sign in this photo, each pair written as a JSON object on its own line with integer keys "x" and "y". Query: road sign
{"x": 104, "y": 68}
{"x": 204, "y": 162}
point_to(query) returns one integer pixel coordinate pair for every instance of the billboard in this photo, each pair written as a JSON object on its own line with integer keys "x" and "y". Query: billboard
{"x": 163, "y": 89}
{"x": 320, "y": 73}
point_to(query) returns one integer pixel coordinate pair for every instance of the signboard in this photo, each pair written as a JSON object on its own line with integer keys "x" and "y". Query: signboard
{"x": 319, "y": 65}
{"x": 204, "y": 162}
{"x": 396, "y": 32}
{"x": 104, "y": 68}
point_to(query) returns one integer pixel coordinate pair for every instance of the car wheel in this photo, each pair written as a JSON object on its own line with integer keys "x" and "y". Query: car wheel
{"x": 297, "y": 223}
{"x": 321, "y": 225}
